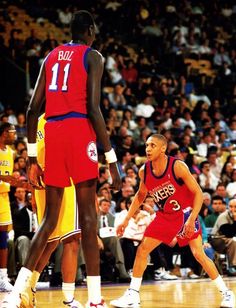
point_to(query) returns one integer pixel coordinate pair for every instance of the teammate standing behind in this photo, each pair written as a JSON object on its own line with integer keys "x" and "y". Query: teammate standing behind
{"x": 179, "y": 199}
{"x": 70, "y": 79}
{"x": 7, "y": 137}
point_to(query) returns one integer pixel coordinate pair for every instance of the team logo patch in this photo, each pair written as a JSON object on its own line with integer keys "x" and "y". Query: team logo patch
{"x": 92, "y": 151}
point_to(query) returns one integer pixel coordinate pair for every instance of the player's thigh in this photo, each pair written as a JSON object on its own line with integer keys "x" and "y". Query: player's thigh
{"x": 196, "y": 245}
{"x": 147, "y": 245}
{"x": 54, "y": 197}
{"x": 86, "y": 194}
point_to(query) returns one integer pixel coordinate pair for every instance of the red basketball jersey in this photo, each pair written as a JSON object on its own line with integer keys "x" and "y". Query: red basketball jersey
{"x": 66, "y": 80}
{"x": 169, "y": 193}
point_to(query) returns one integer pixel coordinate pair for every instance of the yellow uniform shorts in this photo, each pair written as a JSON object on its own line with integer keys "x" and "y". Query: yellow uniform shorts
{"x": 68, "y": 221}
{"x": 5, "y": 211}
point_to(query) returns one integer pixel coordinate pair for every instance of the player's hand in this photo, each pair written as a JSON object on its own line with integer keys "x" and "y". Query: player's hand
{"x": 35, "y": 175}
{"x": 13, "y": 181}
{"x": 116, "y": 178}
{"x": 189, "y": 228}
{"x": 120, "y": 229}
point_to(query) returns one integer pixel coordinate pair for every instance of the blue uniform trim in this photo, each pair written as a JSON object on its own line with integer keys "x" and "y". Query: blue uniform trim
{"x": 85, "y": 58}
{"x": 3, "y": 239}
{"x": 178, "y": 181}
{"x": 69, "y": 115}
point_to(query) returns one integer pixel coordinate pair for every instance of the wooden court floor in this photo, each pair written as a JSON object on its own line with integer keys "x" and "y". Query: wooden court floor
{"x": 181, "y": 293}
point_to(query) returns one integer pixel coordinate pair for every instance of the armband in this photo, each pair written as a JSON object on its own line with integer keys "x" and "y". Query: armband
{"x": 110, "y": 156}
{"x": 32, "y": 149}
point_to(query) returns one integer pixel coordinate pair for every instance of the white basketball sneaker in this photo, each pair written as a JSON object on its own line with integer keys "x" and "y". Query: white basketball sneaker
{"x": 16, "y": 300}
{"x": 5, "y": 285}
{"x": 100, "y": 305}
{"x": 130, "y": 298}
{"x": 73, "y": 304}
{"x": 228, "y": 299}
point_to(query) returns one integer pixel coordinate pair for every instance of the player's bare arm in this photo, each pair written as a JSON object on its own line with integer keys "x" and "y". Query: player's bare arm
{"x": 136, "y": 203}
{"x": 13, "y": 181}
{"x": 182, "y": 171}
{"x": 35, "y": 172}
{"x": 95, "y": 71}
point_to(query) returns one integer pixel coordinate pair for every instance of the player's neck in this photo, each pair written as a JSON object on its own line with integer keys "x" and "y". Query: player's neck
{"x": 78, "y": 41}
{"x": 2, "y": 146}
{"x": 159, "y": 165}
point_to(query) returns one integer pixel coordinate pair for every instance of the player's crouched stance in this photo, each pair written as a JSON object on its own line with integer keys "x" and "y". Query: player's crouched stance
{"x": 179, "y": 199}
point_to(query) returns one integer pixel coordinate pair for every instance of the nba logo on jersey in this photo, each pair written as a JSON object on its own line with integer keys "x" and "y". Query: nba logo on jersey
{"x": 92, "y": 151}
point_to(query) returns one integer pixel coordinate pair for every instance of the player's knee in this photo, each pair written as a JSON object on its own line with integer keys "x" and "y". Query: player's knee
{"x": 198, "y": 254}
{"x": 3, "y": 239}
{"x": 71, "y": 243}
{"x": 88, "y": 223}
{"x": 142, "y": 251}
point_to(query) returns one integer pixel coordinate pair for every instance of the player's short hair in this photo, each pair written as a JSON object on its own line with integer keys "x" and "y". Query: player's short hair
{"x": 160, "y": 137}
{"x": 4, "y": 126}
{"x": 80, "y": 22}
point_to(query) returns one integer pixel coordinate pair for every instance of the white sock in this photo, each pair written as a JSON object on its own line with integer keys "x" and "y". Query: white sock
{"x": 135, "y": 283}
{"x": 3, "y": 273}
{"x": 94, "y": 289}
{"x": 22, "y": 280}
{"x": 68, "y": 290}
{"x": 34, "y": 279}
{"x": 220, "y": 284}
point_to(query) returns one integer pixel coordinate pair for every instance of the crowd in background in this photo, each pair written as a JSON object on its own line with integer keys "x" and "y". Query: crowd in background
{"x": 148, "y": 87}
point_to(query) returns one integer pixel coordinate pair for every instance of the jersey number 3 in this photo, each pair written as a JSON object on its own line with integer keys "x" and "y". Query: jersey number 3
{"x": 176, "y": 205}
{"x": 55, "y": 71}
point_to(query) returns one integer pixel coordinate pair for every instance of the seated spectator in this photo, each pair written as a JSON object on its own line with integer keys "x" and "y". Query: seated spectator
{"x": 207, "y": 180}
{"x": 121, "y": 205}
{"x": 21, "y": 126}
{"x": 103, "y": 176}
{"x": 231, "y": 187}
{"x": 204, "y": 144}
{"x": 192, "y": 163}
{"x": 186, "y": 119}
{"x": 226, "y": 225}
{"x": 215, "y": 163}
{"x": 105, "y": 193}
{"x": 20, "y": 165}
{"x": 24, "y": 223}
{"x": 221, "y": 191}
{"x": 116, "y": 98}
{"x": 207, "y": 203}
{"x": 133, "y": 233}
{"x": 226, "y": 173}
{"x": 111, "y": 243}
{"x": 218, "y": 207}
{"x": 64, "y": 17}
{"x": 232, "y": 130}
{"x": 111, "y": 67}
{"x": 130, "y": 73}
{"x": 145, "y": 108}
{"x": 131, "y": 174}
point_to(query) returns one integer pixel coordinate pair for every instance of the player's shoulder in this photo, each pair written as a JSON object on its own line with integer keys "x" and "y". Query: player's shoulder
{"x": 95, "y": 55}
{"x": 10, "y": 150}
{"x": 141, "y": 171}
{"x": 180, "y": 167}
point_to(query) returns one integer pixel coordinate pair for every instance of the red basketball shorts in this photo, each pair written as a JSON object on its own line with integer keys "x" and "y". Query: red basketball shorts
{"x": 70, "y": 152}
{"x": 165, "y": 227}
